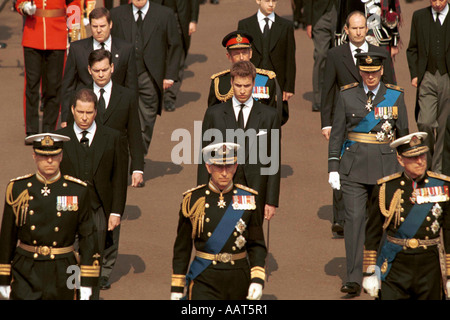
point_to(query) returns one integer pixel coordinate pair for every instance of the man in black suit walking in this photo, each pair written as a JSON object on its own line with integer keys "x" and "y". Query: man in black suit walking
{"x": 342, "y": 70}
{"x": 94, "y": 155}
{"x": 186, "y": 13}
{"x": 152, "y": 29}
{"x": 428, "y": 56}
{"x": 76, "y": 73}
{"x": 321, "y": 17}
{"x": 259, "y": 134}
{"x": 273, "y": 45}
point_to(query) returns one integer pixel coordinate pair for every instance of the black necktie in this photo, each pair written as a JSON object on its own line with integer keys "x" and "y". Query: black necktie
{"x": 84, "y": 141}
{"x": 103, "y": 45}
{"x": 438, "y": 22}
{"x": 370, "y": 96}
{"x": 101, "y": 106}
{"x": 241, "y": 117}
{"x": 266, "y": 28}
{"x": 139, "y": 19}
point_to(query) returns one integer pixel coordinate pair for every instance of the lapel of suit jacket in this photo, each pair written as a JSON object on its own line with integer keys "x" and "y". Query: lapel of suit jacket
{"x": 350, "y": 63}
{"x": 256, "y": 31}
{"x": 99, "y": 143}
{"x": 229, "y": 117}
{"x": 115, "y": 52}
{"x": 151, "y": 20}
{"x": 71, "y": 149}
{"x": 113, "y": 101}
{"x": 253, "y": 121}
{"x": 128, "y": 23}
{"x": 275, "y": 32}
{"x": 426, "y": 28}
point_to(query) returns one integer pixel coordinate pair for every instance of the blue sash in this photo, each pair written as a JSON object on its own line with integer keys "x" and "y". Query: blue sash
{"x": 260, "y": 81}
{"x": 407, "y": 230}
{"x": 369, "y": 122}
{"x": 218, "y": 239}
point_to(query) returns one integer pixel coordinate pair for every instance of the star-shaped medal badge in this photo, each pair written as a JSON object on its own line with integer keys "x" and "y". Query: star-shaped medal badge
{"x": 45, "y": 191}
{"x": 221, "y": 204}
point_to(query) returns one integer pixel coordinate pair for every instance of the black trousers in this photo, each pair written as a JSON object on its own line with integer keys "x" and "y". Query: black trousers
{"x": 414, "y": 276}
{"x": 42, "y": 67}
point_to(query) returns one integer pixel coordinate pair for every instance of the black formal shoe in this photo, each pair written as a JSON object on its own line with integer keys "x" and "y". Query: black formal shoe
{"x": 141, "y": 185}
{"x": 169, "y": 106}
{"x": 296, "y": 25}
{"x": 315, "y": 108}
{"x": 351, "y": 288}
{"x": 338, "y": 229}
{"x": 104, "y": 283}
{"x": 214, "y": 1}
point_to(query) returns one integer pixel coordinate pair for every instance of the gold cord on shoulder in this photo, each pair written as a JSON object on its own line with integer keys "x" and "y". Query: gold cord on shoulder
{"x": 394, "y": 206}
{"x": 222, "y": 97}
{"x": 19, "y": 205}
{"x": 196, "y": 213}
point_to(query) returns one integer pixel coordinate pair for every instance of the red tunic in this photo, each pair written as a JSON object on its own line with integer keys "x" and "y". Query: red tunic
{"x": 47, "y": 28}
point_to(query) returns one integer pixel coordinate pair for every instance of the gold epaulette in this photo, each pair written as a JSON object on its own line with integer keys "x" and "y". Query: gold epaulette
{"x": 394, "y": 87}
{"x": 349, "y": 86}
{"x": 190, "y": 190}
{"x": 389, "y": 178}
{"x": 76, "y": 180}
{"x": 240, "y": 186}
{"x": 265, "y": 72}
{"x": 438, "y": 176}
{"x": 219, "y": 74}
{"x": 22, "y": 177}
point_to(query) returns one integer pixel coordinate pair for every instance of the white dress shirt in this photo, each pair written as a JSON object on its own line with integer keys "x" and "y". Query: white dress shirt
{"x": 262, "y": 22}
{"x": 442, "y": 14}
{"x": 245, "y": 110}
{"x": 106, "y": 94}
{"x": 364, "y": 48}
{"x": 96, "y": 45}
{"x": 91, "y": 132}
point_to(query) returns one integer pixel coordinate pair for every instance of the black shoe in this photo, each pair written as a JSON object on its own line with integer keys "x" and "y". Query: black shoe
{"x": 214, "y": 1}
{"x": 296, "y": 25}
{"x": 315, "y": 108}
{"x": 338, "y": 229}
{"x": 104, "y": 283}
{"x": 169, "y": 106}
{"x": 351, "y": 288}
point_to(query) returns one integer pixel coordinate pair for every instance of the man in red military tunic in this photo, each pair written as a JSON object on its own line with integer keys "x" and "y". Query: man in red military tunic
{"x": 44, "y": 43}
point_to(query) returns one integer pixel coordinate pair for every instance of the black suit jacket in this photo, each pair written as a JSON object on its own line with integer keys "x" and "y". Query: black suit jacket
{"x": 187, "y": 11}
{"x": 341, "y": 70}
{"x": 76, "y": 74}
{"x": 262, "y": 119}
{"x": 109, "y": 170}
{"x": 162, "y": 44}
{"x": 419, "y": 44}
{"x": 314, "y": 9}
{"x": 282, "y": 48}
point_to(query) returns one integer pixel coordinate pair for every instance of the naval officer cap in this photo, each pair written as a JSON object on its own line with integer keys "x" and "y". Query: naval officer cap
{"x": 48, "y": 144}
{"x": 411, "y": 145}
{"x": 237, "y": 40}
{"x": 370, "y": 61}
{"x": 221, "y": 153}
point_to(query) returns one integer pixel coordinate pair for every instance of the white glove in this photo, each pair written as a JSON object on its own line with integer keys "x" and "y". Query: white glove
{"x": 334, "y": 181}
{"x": 29, "y": 8}
{"x": 5, "y": 291}
{"x": 176, "y": 296}
{"x": 448, "y": 288}
{"x": 254, "y": 291}
{"x": 86, "y": 21}
{"x": 372, "y": 283}
{"x": 85, "y": 293}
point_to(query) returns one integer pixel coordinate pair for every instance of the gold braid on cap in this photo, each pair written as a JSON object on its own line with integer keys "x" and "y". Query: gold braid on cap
{"x": 19, "y": 205}
{"x": 394, "y": 206}
{"x": 196, "y": 213}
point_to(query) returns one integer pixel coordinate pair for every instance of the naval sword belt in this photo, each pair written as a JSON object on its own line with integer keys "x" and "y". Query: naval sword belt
{"x": 50, "y": 13}
{"x": 221, "y": 257}
{"x": 366, "y": 138}
{"x": 413, "y": 243}
{"x": 45, "y": 250}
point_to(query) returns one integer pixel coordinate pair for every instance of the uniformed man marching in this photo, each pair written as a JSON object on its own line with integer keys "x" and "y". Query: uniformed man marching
{"x": 368, "y": 117}
{"x": 266, "y": 90}
{"x": 221, "y": 221}
{"x": 42, "y": 215}
{"x": 412, "y": 209}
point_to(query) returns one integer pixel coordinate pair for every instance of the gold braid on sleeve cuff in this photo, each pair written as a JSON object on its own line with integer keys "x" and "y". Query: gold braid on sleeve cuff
{"x": 369, "y": 258}
{"x": 91, "y": 271}
{"x": 178, "y": 280}
{"x": 447, "y": 264}
{"x": 5, "y": 269}
{"x": 258, "y": 272}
